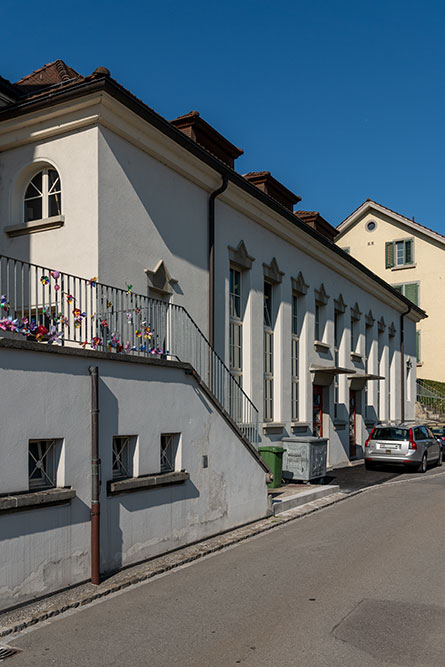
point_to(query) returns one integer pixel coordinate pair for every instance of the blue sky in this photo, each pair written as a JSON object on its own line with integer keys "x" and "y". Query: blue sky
{"x": 340, "y": 100}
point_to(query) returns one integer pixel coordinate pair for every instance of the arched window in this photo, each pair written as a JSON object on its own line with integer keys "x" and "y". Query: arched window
{"x": 43, "y": 196}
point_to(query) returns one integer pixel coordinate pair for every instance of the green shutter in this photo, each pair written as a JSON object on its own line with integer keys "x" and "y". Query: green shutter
{"x": 412, "y": 292}
{"x": 418, "y": 346}
{"x": 389, "y": 254}
{"x": 409, "y": 251}
{"x": 398, "y": 288}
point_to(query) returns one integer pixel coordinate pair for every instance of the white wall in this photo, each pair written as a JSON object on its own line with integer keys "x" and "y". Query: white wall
{"x": 46, "y": 549}
{"x": 73, "y": 247}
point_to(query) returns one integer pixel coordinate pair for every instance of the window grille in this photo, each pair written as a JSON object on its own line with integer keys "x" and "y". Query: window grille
{"x": 169, "y": 449}
{"x": 42, "y": 464}
{"x": 122, "y": 457}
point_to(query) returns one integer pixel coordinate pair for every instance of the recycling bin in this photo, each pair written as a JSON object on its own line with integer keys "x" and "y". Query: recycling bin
{"x": 304, "y": 458}
{"x": 273, "y": 456}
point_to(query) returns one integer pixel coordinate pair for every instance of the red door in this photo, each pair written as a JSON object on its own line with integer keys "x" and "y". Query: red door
{"x": 352, "y": 423}
{"x": 317, "y": 411}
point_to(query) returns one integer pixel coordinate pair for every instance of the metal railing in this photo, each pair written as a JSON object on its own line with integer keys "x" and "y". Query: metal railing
{"x": 430, "y": 403}
{"x": 54, "y": 307}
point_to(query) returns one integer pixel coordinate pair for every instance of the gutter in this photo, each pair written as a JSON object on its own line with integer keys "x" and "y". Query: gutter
{"x": 131, "y": 102}
{"x": 402, "y": 364}
{"x": 211, "y": 228}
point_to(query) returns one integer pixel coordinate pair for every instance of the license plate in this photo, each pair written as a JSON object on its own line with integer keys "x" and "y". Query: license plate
{"x": 388, "y": 451}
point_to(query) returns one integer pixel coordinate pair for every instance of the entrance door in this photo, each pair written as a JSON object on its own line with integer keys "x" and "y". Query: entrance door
{"x": 317, "y": 411}
{"x": 352, "y": 423}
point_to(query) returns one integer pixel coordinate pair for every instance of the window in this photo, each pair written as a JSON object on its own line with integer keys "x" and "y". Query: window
{"x": 235, "y": 324}
{"x": 268, "y": 352}
{"x": 371, "y": 225}
{"x": 43, "y": 196}
{"x": 347, "y": 250}
{"x": 337, "y": 341}
{"x": 368, "y": 342}
{"x": 354, "y": 326}
{"x": 399, "y": 253}
{"x": 123, "y": 454}
{"x": 418, "y": 347}
{"x": 294, "y": 358}
{"x": 410, "y": 290}
{"x": 317, "y": 322}
{"x": 42, "y": 464}
{"x": 169, "y": 452}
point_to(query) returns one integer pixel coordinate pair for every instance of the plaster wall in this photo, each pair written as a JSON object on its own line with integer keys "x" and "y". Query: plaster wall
{"x": 74, "y": 246}
{"x": 148, "y": 213}
{"x": 43, "y": 550}
{"x": 428, "y": 270}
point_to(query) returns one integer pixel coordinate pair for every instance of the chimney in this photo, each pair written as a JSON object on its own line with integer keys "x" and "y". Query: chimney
{"x": 316, "y": 221}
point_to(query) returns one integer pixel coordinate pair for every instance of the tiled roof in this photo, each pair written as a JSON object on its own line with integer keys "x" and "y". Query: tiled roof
{"x": 51, "y": 74}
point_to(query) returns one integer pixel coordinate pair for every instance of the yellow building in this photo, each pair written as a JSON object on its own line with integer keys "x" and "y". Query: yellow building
{"x": 411, "y": 258}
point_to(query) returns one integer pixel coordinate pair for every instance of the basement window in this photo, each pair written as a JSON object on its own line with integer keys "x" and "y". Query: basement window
{"x": 170, "y": 452}
{"x": 43, "y": 458}
{"x": 123, "y": 456}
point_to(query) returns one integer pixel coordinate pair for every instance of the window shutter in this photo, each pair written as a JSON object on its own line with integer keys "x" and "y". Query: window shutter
{"x": 409, "y": 251}
{"x": 412, "y": 292}
{"x": 389, "y": 254}
{"x": 418, "y": 346}
{"x": 398, "y": 288}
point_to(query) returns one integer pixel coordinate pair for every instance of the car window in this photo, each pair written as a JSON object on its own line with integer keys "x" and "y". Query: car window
{"x": 425, "y": 432}
{"x": 418, "y": 434}
{"x": 390, "y": 433}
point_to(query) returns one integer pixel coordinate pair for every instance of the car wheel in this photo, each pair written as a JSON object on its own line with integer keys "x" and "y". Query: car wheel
{"x": 369, "y": 465}
{"x": 423, "y": 464}
{"x": 439, "y": 460}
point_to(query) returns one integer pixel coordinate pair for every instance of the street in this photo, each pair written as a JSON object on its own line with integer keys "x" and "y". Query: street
{"x": 359, "y": 583}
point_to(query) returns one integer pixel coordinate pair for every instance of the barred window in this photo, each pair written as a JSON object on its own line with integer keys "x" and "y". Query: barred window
{"x": 268, "y": 352}
{"x": 170, "y": 452}
{"x": 123, "y": 455}
{"x": 235, "y": 325}
{"x": 42, "y": 464}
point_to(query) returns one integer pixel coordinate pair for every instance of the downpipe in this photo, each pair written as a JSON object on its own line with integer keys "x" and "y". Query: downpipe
{"x": 95, "y": 477}
{"x": 402, "y": 365}
{"x": 211, "y": 234}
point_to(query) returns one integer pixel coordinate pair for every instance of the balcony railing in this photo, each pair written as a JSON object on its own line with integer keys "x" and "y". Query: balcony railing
{"x": 54, "y": 307}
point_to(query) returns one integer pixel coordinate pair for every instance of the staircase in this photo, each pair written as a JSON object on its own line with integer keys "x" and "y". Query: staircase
{"x": 53, "y": 307}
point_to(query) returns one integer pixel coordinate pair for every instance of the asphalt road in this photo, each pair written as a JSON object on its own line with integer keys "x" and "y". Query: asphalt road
{"x": 360, "y": 583}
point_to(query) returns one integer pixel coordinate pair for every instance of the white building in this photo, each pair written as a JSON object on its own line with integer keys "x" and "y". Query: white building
{"x": 95, "y": 183}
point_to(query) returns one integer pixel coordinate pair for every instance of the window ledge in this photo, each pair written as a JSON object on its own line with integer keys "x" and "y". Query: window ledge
{"x": 321, "y": 347}
{"x": 35, "y": 499}
{"x": 35, "y": 226}
{"x": 356, "y": 356}
{"x": 146, "y": 482}
{"x": 274, "y": 427}
{"x": 403, "y": 266}
{"x": 419, "y": 363}
{"x": 295, "y": 424}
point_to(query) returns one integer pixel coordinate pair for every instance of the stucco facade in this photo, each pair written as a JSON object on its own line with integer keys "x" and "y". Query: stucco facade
{"x": 426, "y": 270}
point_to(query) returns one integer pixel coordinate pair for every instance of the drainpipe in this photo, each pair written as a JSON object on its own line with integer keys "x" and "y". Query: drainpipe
{"x": 95, "y": 477}
{"x": 402, "y": 364}
{"x": 212, "y": 198}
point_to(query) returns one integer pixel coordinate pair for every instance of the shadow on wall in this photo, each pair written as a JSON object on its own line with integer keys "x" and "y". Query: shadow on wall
{"x": 16, "y": 525}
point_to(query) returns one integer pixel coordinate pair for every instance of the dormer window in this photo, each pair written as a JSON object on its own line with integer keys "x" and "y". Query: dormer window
{"x": 43, "y": 196}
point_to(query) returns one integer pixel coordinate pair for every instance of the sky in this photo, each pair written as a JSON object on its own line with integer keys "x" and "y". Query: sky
{"x": 340, "y": 100}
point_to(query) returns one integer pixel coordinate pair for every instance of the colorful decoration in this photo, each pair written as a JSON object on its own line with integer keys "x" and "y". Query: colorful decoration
{"x": 70, "y": 298}
{"x": 55, "y": 275}
{"x": 4, "y": 303}
{"x": 93, "y": 281}
{"x": 129, "y": 288}
{"x": 44, "y": 280}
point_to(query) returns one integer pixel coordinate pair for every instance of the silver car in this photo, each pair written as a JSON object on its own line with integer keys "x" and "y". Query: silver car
{"x": 405, "y": 444}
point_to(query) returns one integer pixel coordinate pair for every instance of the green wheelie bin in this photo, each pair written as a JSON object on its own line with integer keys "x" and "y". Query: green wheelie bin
{"x": 273, "y": 456}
